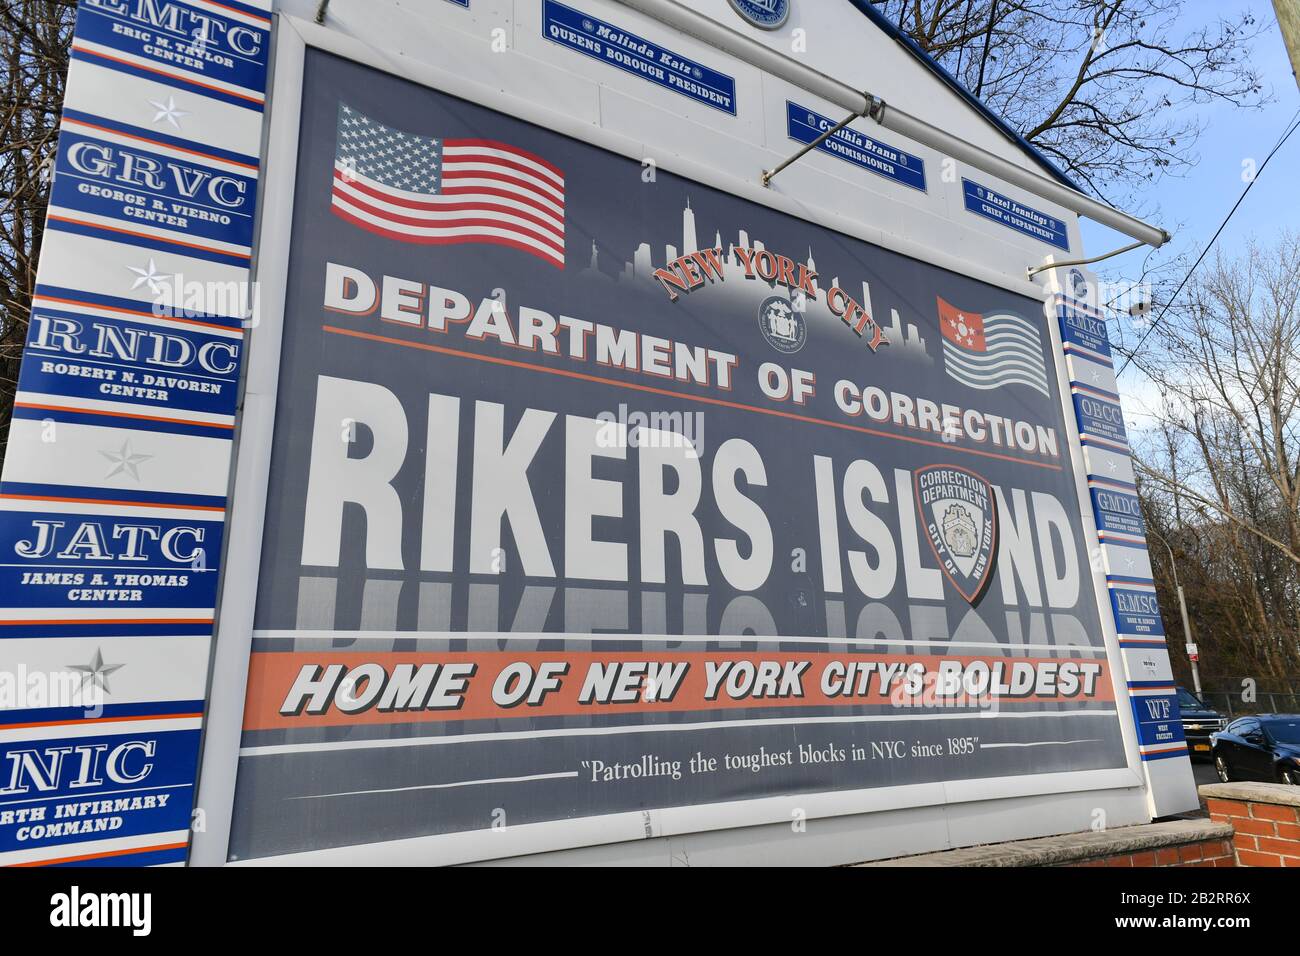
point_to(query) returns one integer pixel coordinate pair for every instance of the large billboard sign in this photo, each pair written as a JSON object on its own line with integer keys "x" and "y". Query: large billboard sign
{"x": 602, "y": 492}
{"x": 560, "y": 499}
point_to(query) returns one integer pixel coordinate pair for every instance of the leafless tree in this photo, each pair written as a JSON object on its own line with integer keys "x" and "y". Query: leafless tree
{"x": 34, "y": 40}
{"x": 1107, "y": 88}
{"x": 1222, "y": 472}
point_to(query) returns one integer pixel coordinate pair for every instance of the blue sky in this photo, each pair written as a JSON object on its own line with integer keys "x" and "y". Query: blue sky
{"x": 1192, "y": 205}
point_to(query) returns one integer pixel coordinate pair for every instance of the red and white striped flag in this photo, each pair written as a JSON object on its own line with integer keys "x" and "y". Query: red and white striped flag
{"x": 991, "y": 351}
{"x": 424, "y": 190}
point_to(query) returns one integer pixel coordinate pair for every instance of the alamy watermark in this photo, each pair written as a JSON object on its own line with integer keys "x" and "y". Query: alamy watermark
{"x": 178, "y": 297}
{"x": 82, "y": 688}
{"x": 628, "y": 428}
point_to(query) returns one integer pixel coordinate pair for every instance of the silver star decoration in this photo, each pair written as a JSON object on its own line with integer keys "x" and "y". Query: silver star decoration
{"x": 149, "y": 276}
{"x": 124, "y": 461}
{"x": 96, "y": 673}
{"x": 167, "y": 112}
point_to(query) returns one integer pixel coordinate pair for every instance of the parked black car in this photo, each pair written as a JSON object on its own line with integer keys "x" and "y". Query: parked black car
{"x": 1262, "y": 747}
{"x": 1199, "y": 721}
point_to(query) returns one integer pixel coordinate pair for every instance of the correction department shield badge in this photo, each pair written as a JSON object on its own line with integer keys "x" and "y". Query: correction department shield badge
{"x": 960, "y": 515}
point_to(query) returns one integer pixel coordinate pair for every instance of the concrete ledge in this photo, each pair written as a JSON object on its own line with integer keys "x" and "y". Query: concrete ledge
{"x": 1074, "y": 848}
{"x": 1278, "y": 793}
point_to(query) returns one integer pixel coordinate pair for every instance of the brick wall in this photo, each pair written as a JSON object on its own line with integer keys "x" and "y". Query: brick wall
{"x": 1265, "y": 818}
{"x": 1203, "y": 853}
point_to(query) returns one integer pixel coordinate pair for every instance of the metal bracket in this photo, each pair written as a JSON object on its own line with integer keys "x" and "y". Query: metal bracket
{"x": 875, "y": 108}
{"x": 1034, "y": 270}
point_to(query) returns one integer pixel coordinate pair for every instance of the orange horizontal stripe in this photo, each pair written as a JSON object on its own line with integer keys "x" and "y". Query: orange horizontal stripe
{"x": 107, "y": 501}
{"x": 272, "y": 674}
{"x": 97, "y": 720}
{"x": 185, "y": 77}
{"x": 96, "y": 411}
{"x": 104, "y": 855}
{"x": 142, "y": 312}
{"x": 242, "y": 13}
{"x": 144, "y": 139}
{"x": 110, "y": 620}
{"x": 704, "y": 399}
{"x": 146, "y": 235}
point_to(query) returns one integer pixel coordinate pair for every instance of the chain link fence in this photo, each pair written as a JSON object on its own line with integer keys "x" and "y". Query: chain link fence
{"x": 1235, "y": 696}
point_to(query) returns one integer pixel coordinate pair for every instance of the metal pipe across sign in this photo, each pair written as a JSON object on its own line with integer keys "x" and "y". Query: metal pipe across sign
{"x": 750, "y": 50}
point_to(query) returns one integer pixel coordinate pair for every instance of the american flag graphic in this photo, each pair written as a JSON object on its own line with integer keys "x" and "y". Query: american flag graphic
{"x": 419, "y": 189}
{"x": 989, "y": 351}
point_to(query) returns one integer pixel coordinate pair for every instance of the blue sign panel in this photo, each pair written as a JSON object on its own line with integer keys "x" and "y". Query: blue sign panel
{"x": 633, "y": 54}
{"x": 1159, "y": 723}
{"x": 1006, "y": 211}
{"x": 1136, "y": 612}
{"x": 1100, "y": 418}
{"x": 78, "y": 789}
{"x": 1084, "y": 330}
{"x": 186, "y": 364}
{"x": 69, "y": 561}
{"x": 216, "y": 52}
{"x": 804, "y": 126}
{"x": 152, "y": 189}
{"x": 1117, "y": 511}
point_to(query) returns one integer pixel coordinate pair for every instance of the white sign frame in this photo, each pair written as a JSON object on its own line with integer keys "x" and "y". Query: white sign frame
{"x": 1121, "y": 792}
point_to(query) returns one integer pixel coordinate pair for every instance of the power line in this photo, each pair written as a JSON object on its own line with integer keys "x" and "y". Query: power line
{"x": 1292, "y": 125}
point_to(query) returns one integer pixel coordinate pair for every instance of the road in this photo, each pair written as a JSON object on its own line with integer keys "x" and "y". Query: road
{"x": 1203, "y": 771}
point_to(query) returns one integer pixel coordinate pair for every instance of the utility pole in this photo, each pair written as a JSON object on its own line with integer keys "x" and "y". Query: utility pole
{"x": 1288, "y": 21}
{"x": 1182, "y": 609}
